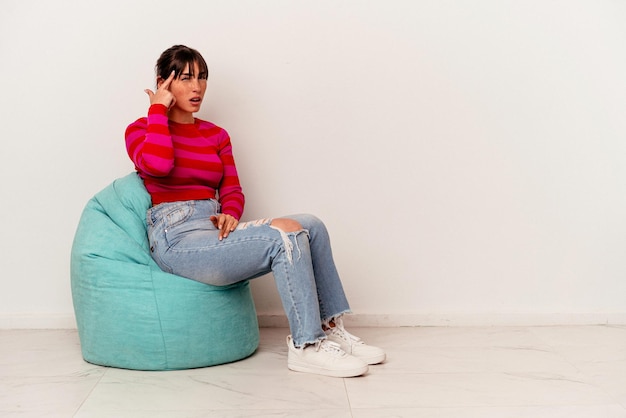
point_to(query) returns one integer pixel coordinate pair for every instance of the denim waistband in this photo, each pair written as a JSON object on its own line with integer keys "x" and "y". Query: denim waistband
{"x": 156, "y": 213}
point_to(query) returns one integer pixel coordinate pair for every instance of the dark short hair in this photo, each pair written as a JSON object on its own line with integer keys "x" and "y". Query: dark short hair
{"x": 176, "y": 59}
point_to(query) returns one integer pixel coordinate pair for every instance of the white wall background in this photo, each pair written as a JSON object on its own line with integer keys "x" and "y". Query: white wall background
{"x": 467, "y": 156}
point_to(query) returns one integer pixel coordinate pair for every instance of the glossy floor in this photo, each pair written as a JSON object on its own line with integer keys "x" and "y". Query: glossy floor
{"x": 467, "y": 372}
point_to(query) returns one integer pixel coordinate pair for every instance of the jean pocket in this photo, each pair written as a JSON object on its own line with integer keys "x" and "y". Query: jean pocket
{"x": 179, "y": 214}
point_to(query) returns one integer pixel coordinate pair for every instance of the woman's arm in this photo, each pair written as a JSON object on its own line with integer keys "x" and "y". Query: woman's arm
{"x": 149, "y": 143}
{"x": 148, "y": 140}
{"x": 231, "y": 196}
{"x": 230, "y": 193}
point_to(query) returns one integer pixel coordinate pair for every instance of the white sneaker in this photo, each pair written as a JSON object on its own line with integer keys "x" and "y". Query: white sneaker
{"x": 354, "y": 345}
{"x": 325, "y": 358}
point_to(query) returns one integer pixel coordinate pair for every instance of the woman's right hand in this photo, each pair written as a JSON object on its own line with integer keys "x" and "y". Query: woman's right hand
{"x": 163, "y": 94}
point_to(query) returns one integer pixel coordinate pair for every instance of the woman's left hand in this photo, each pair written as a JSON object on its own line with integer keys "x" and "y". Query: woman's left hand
{"x": 225, "y": 223}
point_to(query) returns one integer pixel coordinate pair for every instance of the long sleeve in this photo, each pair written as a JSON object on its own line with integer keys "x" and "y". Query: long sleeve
{"x": 230, "y": 193}
{"x": 149, "y": 143}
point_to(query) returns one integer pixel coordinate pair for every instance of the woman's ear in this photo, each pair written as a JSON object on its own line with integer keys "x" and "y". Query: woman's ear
{"x": 159, "y": 81}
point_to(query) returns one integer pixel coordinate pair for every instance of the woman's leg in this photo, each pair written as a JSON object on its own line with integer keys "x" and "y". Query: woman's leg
{"x": 296, "y": 283}
{"x": 332, "y": 298}
{"x": 184, "y": 241}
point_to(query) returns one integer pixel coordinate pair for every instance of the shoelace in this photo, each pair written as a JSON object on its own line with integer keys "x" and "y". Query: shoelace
{"x": 329, "y": 347}
{"x": 339, "y": 329}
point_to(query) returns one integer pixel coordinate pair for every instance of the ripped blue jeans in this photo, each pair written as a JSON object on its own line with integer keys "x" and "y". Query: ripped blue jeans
{"x": 184, "y": 241}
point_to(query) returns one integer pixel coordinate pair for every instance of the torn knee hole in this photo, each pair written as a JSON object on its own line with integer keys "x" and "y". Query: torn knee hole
{"x": 286, "y": 225}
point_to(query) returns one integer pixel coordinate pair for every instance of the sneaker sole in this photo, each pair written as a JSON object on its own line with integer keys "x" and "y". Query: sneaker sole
{"x": 372, "y": 360}
{"x": 328, "y": 372}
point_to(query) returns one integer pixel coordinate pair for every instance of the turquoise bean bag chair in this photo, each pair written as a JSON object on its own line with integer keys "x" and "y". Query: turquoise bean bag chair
{"x": 132, "y": 315}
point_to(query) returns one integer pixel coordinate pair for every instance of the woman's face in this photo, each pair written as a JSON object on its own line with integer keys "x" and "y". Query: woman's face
{"x": 189, "y": 91}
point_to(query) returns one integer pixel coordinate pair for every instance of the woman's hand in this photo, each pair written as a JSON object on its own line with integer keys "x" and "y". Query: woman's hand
{"x": 225, "y": 223}
{"x": 163, "y": 94}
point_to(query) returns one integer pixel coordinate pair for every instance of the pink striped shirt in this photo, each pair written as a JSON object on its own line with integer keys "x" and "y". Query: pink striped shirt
{"x": 184, "y": 161}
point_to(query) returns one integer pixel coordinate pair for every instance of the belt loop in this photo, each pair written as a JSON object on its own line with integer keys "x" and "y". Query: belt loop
{"x": 150, "y": 217}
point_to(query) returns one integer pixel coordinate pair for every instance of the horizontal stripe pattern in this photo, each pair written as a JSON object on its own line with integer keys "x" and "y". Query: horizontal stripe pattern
{"x": 184, "y": 161}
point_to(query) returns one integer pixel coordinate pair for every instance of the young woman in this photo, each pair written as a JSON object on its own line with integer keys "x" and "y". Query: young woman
{"x": 188, "y": 168}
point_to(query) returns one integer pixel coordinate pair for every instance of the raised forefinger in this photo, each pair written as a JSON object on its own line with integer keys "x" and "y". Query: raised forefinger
{"x": 167, "y": 82}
